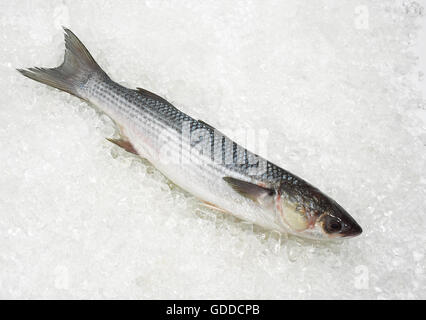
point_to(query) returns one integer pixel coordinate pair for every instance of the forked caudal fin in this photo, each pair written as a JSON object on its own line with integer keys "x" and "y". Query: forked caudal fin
{"x": 73, "y": 73}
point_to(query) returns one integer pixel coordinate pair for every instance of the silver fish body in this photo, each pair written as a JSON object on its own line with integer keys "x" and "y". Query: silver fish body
{"x": 168, "y": 138}
{"x": 197, "y": 157}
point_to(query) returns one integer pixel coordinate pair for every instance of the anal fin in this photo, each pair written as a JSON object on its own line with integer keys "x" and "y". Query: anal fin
{"x": 213, "y": 207}
{"x": 125, "y": 144}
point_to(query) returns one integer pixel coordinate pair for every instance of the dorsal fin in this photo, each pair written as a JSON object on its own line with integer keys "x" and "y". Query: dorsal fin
{"x": 206, "y": 124}
{"x": 151, "y": 95}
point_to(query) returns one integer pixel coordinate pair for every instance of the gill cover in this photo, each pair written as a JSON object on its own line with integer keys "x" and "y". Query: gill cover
{"x": 292, "y": 215}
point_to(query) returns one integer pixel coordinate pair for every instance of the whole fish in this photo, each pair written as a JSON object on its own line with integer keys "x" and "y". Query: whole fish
{"x": 197, "y": 157}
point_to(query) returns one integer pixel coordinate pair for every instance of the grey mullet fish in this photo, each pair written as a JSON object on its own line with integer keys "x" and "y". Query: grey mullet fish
{"x": 197, "y": 157}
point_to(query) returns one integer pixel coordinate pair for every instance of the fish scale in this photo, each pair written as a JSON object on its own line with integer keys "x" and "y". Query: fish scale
{"x": 199, "y": 174}
{"x": 151, "y": 116}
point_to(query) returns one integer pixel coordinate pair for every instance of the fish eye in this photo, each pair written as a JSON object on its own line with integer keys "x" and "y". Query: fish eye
{"x": 332, "y": 225}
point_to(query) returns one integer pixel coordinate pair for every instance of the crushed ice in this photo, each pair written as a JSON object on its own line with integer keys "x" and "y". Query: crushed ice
{"x": 332, "y": 83}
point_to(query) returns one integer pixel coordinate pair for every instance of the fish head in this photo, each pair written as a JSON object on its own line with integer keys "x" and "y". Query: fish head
{"x": 307, "y": 212}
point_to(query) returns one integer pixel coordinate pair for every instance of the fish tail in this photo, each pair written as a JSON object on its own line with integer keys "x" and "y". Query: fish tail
{"x": 71, "y": 76}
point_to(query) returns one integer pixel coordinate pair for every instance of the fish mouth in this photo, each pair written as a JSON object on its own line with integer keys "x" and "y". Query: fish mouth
{"x": 353, "y": 231}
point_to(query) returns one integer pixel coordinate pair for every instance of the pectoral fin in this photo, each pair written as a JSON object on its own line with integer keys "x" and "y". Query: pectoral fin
{"x": 125, "y": 144}
{"x": 259, "y": 194}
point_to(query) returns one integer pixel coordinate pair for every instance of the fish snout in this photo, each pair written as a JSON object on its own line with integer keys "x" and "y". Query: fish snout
{"x": 351, "y": 229}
